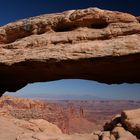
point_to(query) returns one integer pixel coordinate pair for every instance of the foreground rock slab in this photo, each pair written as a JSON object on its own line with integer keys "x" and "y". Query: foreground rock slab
{"x": 125, "y": 126}
{"x": 121, "y": 134}
{"x": 91, "y": 44}
{"x": 131, "y": 120}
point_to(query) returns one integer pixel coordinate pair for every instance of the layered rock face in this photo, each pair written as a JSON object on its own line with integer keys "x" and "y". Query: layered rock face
{"x": 121, "y": 127}
{"x": 68, "y": 119}
{"x": 89, "y": 44}
{"x": 35, "y": 109}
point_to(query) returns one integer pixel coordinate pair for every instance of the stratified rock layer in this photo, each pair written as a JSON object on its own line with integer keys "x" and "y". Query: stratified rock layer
{"x": 122, "y": 127}
{"x": 91, "y": 44}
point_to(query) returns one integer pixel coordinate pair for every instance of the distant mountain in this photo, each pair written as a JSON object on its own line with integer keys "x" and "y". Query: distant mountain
{"x": 52, "y": 96}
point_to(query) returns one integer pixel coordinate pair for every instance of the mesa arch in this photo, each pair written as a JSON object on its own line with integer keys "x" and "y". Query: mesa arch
{"x": 91, "y": 44}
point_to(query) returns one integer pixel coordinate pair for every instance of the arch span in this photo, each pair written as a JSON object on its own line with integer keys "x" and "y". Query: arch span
{"x": 91, "y": 44}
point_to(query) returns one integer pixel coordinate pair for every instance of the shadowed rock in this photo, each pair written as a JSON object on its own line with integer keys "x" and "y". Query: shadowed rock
{"x": 91, "y": 44}
{"x": 138, "y": 18}
{"x": 109, "y": 126}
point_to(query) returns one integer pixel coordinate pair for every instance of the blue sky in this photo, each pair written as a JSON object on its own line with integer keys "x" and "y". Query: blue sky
{"x": 79, "y": 89}
{"x": 11, "y": 10}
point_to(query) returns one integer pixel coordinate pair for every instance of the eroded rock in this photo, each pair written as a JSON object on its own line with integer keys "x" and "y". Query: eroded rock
{"x": 124, "y": 128}
{"x": 131, "y": 120}
{"x": 91, "y": 44}
{"x": 109, "y": 126}
{"x": 121, "y": 134}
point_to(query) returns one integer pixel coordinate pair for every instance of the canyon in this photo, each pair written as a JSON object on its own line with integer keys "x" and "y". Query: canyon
{"x": 22, "y": 118}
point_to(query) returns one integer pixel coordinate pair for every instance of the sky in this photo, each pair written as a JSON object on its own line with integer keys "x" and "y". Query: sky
{"x": 12, "y": 10}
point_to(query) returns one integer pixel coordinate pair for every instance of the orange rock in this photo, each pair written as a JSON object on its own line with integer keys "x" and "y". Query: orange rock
{"x": 90, "y": 43}
{"x": 131, "y": 120}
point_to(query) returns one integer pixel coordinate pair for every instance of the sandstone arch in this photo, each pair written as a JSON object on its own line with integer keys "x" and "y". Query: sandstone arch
{"x": 91, "y": 44}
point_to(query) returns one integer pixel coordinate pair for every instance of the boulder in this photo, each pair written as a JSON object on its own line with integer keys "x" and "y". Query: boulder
{"x": 131, "y": 121}
{"x": 109, "y": 126}
{"x": 121, "y": 134}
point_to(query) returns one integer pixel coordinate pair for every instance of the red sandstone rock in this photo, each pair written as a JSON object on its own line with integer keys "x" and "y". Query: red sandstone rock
{"x": 121, "y": 134}
{"x": 91, "y": 44}
{"x": 32, "y": 129}
{"x": 131, "y": 120}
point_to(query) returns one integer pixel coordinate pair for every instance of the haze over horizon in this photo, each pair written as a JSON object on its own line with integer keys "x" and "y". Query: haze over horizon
{"x": 64, "y": 89}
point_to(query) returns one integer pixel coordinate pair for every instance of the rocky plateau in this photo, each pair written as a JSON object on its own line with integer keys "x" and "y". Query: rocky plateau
{"x": 27, "y": 119}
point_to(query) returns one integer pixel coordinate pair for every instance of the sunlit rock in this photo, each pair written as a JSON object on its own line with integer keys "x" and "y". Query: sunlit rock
{"x": 91, "y": 44}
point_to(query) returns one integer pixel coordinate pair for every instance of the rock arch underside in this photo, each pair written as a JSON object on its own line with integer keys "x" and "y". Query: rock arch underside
{"x": 91, "y": 44}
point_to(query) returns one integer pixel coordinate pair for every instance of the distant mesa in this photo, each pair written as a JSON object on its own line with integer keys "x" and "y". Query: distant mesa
{"x": 91, "y": 44}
